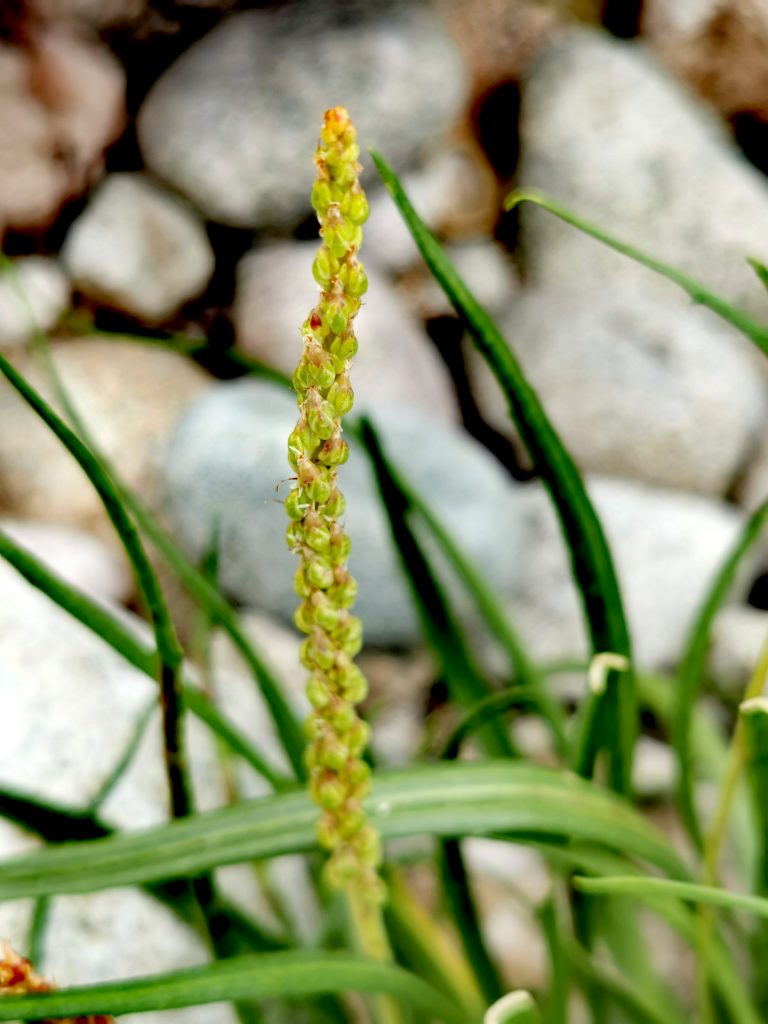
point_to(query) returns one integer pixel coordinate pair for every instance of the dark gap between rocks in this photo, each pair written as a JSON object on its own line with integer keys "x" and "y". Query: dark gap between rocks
{"x": 758, "y": 592}
{"x": 447, "y": 333}
{"x": 751, "y": 133}
{"x": 496, "y": 117}
{"x": 622, "y": 17}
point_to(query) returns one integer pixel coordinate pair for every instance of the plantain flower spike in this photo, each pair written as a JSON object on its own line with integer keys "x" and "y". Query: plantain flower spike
{"x": 338, "y": 776}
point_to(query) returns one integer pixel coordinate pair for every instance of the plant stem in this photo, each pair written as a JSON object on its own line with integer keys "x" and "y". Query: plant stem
{"x": 370, "y": 937}
{"x": 715, "y": 837}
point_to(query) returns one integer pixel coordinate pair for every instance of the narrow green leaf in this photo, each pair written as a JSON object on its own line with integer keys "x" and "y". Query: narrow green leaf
{"x": 754, "y": 718}
{"x": 697, "y": 291}
{"x": 261, "y": 976}
{"x": 222, "y": 612}
{"x": 692, "y": 664}
{"x": 461, "y": 903}
{"x": 521, "y": 666}
{"x": 632, "y": 1000}
{"x": 610, "y": 719}
{"x": 484, "y": 711}
{"x": 629, "y": 885}
{"x": 513, "y": 1008}
{"x": 466, "y": 684}
{"x": 115, "y": 633}
{"x": 449, "y": 799}
{"x": 760, "y": 269}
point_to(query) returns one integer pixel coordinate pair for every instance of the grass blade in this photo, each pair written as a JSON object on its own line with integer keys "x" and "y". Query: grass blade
{"x": 521, "y": 666}
{"x": 514, "y": 1008}
{"x": 610, "y": 719}
{"x": 697, "y": 291}
{"x": 465, "y": 682}
{"x": 261, "y": 976}
{"x": 692, "y": 664}
{"x": 449, "y": 800}
{"x": 107, "y": 626}
{"x": 754, "y": 718}
{"x": 170, "y": 654}
{"x": 631, "y": 885}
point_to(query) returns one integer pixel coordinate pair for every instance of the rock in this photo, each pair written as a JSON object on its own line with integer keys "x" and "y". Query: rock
{"x": 654, "y": 769}
{"x": 218, "y": 130}
{"x": 608, "y": 133}
{"x": 225, "y": 464}
{"x": 71, "y": 706}
{"x": 396, "y": 707}
{"x": 499, "y": 40}
{"x": 738, "y": 636}
{"x": 33, "y": 295}
{"x": 139, "y": 249}
{"x": 128, "y": 394}
{"x": 61, "y": 104}
{"x": 455, "y": 196}
{"x": 636, "y": 387}
{"x": 77, "y": 557}
{"x": 396, "y": 361}
{"x": 666, "y": 545}
{"x": 752, "y": 489}
{"x": 95, "y": 14}
{"x": 483, "y": 266}
{"x": 717, "y": 47}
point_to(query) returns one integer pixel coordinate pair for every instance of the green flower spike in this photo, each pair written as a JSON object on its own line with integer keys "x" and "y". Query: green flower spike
{"x": 339, "y": 778}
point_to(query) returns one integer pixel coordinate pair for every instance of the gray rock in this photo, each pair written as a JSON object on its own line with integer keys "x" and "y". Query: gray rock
{"x": 738, "y": 636}
{"x": 610, "y": 134}
{"x": 636, "y": 387}
{"x": 233, "y": 123}
{"x": 486, "y": 270}
{"x": 667, "y": 545}
{"x": 139, "y": 249}
{"x": 226, "y": 462}
{"x": 752, "y": 489}
{"x": 70, "y": 707}
{"x": 33, "y": 295}
{"x": 75, "y": 556}
{"x": 128, "y": 394}
{"x": 396, "y": 361}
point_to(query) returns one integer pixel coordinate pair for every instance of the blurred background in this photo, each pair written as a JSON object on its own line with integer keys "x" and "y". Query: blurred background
{"x": 155, "y": 168}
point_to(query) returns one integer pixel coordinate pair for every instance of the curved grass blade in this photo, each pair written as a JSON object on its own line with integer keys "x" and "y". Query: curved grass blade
{"x": 630, "y": 885}
{"x": 500, "y": 798}
{"x": 169, "y": 650}
{"x": 458, "y": 892}
{"x": 691, "y": 668}
{"x": 631, "y": 999}
{"x": 107, "y": 626}
{"x": 483, "y": 712}
{"x": 222, "y": 612}
{"x": 260, "y": 976}
{"x": 465, "y": 682}
{"x": 521, "y": 666}
{"x": 697, "y": 291}
{"x": 610, "y": 719}
{"x": 513, "y": 1008}
{"x": 760, "y": 269}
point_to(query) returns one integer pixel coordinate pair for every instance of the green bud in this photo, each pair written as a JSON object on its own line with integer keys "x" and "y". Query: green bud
{"x": 323, "y": 611}
{"x": 341, "y": 396}
{"x": 322, "y": 268}
{"x": 317, "y": 534}
{"x": 342, "y": 868}
{"x": 304, "y": 617}
{"x": 357, "y": 738}
{"x": 353, "y": 278}
{"x": 358, "y": 208}
{"x": 335, "y": 505}
{"x": 332, "y": 754}
{"x": 333, "y": 452}
{"x": 327, "y": 833}
{"x": 368, "y": 845}
{"x": 330, "y": 793}
{"x": 321, "y": 196}
{"x": 294, "y": 535}
{"x": 319, "y": 573}
{"x": 300, "y": 585}
{"x": 351, "y": 821}
{"x": 321, "y": 415}
{"x": 318, "y": 693}
{"x": 340, "y": 544}
{"x": 294, "y": 506}
{"x": 342, "y": 349}
{"x": 357, "y": 772}
{"x": 354, "y": 685}
{"x": 350, "y": 634}
{"x": 342, "y": 717}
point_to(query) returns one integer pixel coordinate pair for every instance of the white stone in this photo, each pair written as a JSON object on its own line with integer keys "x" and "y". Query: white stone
{"x": 128, "y": 395}
{"x": 738, "y": 636}
{"x": 635, "y": 386}
{"x": 33, "y": 295}
{"x": 75, "y": 556}
{"x": 138, "y": 248}
{"x": 396, "y": 361}
{"x": 609, "y": 134}
{"x": 667, "y": 546}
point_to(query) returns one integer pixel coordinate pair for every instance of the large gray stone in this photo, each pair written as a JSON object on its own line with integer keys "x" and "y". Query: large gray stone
{"x": 233, "y": 123}
{"x": 70, "y": 707}
{"x": 396, "y": 361}
{"x": 138, "y": 249}
{"x": 33, "y": 295}
{"x": 609, "y": 133}
{"x": 127, "y": 394}
{"x": 667, "y": 546}
{"x": 636, "y": 387}
{"x": 226, "y": 469}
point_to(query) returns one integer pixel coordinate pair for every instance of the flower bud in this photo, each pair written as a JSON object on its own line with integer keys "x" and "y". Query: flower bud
{"x": 318, "y": 573}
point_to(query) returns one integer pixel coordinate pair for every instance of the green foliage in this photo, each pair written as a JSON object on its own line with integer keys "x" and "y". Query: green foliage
{"x": 605, "y": 858}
